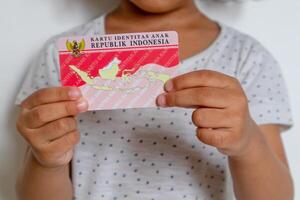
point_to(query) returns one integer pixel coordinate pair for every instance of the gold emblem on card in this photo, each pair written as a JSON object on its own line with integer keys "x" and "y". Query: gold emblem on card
{"x": 75, "y": 47}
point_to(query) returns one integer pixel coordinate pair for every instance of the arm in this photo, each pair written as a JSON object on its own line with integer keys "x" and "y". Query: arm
{"x": 38, "y": 182}
{"x": 256, "y": 154}
{"x": 263, "y": 172}
{"x": 47, "y": 122}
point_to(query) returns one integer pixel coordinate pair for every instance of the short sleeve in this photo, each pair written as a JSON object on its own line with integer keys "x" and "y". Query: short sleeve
{"x": 265, "y": 88}
{"x": 43, "y": 72}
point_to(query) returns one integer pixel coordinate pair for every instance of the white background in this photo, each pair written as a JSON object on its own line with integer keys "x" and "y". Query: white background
{"x": 26, "y": 25}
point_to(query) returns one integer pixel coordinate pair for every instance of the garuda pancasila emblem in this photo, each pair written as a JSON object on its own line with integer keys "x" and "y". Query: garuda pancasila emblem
{"x": 75, "y": 47}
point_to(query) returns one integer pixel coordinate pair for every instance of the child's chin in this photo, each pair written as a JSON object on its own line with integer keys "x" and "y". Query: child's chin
{"x": 158, "y": 6}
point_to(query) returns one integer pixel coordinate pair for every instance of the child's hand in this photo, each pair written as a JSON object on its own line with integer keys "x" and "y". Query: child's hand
{"x": 47, "y": 122}
{"x": 221, "y": 114}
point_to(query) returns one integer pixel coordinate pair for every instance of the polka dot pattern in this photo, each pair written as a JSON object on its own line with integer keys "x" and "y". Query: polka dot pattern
{"x": 153, "y": 153}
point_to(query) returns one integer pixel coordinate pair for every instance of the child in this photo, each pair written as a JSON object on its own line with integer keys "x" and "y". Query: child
{"x": 232, "y": 94}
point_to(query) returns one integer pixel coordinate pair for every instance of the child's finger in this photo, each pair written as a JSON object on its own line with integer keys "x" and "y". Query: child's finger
{"x": 51, "y": 95}
{"x": 56, "y": 129}
{"x": 219, "y": 138}
{"x": 66, "y": 142}
{"x": 211, "y": 118}
{"x": 201, "y": 78}
{"x": 195, "y": 97}
{"x": 43, "y": 114}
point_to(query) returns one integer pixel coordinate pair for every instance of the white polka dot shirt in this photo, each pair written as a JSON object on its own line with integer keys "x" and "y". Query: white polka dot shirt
{"x": 153, "y": 153}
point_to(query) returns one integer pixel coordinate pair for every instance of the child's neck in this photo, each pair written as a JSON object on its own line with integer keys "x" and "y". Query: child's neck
{"x": 196, "y": 31}
{"x": 139, "y": 20}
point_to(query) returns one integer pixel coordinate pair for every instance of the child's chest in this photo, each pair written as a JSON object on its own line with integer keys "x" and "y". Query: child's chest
{"x": 152, "y": 133}
{"x": 150, "y": 150}
{"x": 139, "y": 123}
